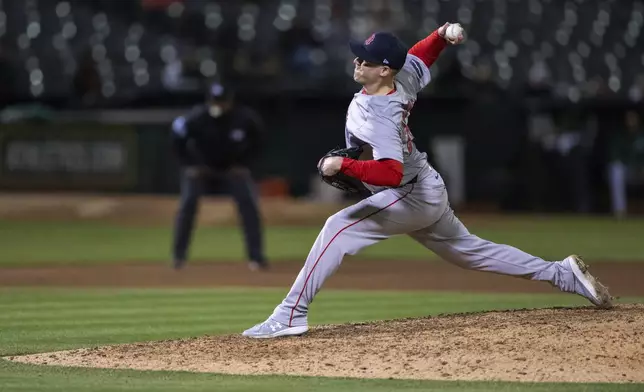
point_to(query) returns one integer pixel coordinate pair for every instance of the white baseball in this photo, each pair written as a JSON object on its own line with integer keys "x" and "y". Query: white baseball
{"x": 454, "y": 33}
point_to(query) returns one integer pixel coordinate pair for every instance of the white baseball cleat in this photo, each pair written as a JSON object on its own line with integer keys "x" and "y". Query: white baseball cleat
{"x": 586, "y": 285}
{"x": 273, "y": 329}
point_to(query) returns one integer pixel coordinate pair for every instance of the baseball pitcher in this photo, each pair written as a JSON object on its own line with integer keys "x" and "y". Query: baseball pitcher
{"x": 407, "y": 195}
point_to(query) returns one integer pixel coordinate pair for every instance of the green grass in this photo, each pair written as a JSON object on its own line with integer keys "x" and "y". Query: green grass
{"x": 38, "y": 320}
{"x": 39, "y": 378}
{"x": 76, "y": 318}
{"x": 44, "y": 243}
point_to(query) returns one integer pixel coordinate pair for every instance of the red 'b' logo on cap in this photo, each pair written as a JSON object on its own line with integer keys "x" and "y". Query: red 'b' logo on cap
{"x": 370, "y": 39}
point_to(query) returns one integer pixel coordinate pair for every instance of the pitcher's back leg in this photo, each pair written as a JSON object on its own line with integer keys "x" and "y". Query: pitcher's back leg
{"x": 451, "y": 240}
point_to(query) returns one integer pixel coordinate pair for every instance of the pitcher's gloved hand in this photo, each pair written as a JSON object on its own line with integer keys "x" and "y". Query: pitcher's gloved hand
{"x": 329, "y": 170}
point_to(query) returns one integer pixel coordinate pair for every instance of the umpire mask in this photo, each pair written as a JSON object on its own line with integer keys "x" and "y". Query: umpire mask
{"x": 220, "y": 99}
{"x": 215, "y": 110}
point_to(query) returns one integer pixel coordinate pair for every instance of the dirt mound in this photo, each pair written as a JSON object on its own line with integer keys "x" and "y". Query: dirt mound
{"x": 571, "y": 344}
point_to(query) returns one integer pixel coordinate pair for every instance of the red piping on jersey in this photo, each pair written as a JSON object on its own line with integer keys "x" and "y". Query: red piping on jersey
{"x": 290, "y": 320}
{"x": 383, "y": 172}
{"x": 429, "y": 48}
{"x": 363, "y": 91}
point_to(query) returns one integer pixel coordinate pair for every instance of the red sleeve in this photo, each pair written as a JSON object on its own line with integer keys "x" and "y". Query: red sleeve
{"x": 384, "y": 172}
{"x": 429, "y": 48}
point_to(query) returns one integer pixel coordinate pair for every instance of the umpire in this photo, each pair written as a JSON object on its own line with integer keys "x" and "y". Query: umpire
{"x": 215, "y": 144}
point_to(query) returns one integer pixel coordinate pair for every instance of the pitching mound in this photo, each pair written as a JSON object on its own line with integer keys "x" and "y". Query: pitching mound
{"x": 575, "y": 344}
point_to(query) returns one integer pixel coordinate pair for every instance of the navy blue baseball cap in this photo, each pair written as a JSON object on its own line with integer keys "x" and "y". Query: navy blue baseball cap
{"x": 219, "y": 91}
{"x": 381, "y": 48}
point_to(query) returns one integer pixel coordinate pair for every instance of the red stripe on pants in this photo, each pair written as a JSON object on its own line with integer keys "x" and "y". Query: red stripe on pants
{"x": 327, "y": 247}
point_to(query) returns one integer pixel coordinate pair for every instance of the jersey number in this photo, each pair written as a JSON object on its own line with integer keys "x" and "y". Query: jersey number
{"x": 406, "y": 129}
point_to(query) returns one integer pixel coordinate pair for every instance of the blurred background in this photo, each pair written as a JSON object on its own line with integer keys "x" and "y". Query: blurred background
{"x": 539, "y": 111}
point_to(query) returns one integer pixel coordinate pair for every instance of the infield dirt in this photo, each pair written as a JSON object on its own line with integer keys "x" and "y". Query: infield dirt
{"x": 562, "y": 345}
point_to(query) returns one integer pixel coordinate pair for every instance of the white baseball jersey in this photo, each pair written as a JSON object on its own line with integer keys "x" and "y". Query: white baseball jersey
{"x": 381, "y": 121}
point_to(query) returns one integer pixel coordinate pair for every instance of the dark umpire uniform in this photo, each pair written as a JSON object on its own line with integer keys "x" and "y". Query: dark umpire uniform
{"x": 215, "y": 143}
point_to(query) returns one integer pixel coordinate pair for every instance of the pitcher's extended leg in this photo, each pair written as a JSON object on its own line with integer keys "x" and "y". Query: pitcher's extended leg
{"x": 451, "y": 240}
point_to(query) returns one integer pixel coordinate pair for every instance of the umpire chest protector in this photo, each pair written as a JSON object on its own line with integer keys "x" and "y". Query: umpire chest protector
{"x": 225, "y": 140}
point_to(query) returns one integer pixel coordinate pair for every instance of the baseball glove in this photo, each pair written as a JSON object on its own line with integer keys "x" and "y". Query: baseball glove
{"x": 340, "y": 180}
